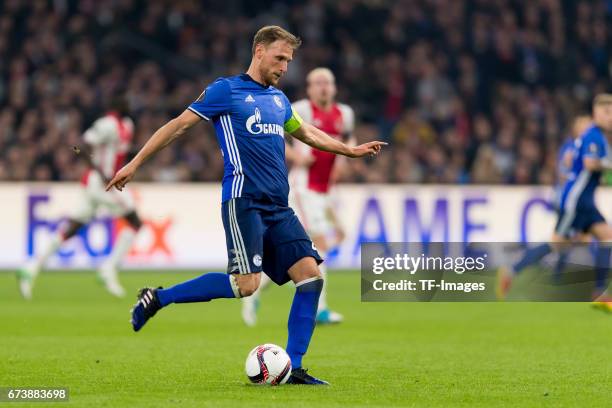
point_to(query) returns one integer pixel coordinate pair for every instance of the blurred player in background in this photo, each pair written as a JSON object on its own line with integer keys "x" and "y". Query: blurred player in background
{"x": 262, "y": 232}
{"x": 566, "y": 155}
{"x": 564, "y": 170}
{"x": 312, "y": 174}
{"x": 109, "y": 140}
{"x": 578, "y": 214}
{"x": 531, "y": 256}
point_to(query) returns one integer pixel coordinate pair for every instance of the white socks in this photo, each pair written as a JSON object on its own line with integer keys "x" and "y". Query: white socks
{"x": 51, "y": 248}
{"x": 122, "y": 246}
{"x": 265, "y": 281}
{"x": 323, "y": 296}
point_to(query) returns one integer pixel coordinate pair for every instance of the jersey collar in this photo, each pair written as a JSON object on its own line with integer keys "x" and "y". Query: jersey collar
{"x": 247, "y": 77}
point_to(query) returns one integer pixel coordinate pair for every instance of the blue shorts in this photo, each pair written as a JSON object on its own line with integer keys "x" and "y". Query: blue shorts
{"x": 571, "y": 222}
{"x": 266, "y": 237}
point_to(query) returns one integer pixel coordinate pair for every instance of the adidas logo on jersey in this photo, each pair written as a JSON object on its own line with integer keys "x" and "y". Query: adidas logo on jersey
{"x": 249, "y": 98}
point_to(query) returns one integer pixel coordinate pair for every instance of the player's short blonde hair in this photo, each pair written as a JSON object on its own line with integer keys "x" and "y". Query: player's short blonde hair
{"x": 320, "y": 71}
{"x": 268, "y": 34}
{"x": 602, "y": 99}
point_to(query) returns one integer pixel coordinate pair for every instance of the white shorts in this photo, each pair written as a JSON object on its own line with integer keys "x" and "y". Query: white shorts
{"x": 94, "y": 196}
{"x": 312, "y": 209}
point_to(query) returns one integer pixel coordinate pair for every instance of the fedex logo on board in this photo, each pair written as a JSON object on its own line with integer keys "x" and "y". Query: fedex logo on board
{"x": 96, "y": 239}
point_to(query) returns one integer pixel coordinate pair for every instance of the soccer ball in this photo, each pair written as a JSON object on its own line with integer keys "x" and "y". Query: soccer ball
{"x": 268, "y": 364}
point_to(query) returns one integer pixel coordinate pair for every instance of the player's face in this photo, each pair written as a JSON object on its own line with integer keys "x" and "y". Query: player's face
{"x": 321, "y": 89}
{"x": 603, "y": 116}
{"x": 274, "y": 60}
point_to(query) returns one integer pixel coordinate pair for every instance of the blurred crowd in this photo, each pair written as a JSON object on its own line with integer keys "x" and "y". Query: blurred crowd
{"x": 465, "y": 91}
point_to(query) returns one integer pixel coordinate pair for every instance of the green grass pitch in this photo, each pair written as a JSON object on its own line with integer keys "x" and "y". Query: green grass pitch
{"x": 395, "y": 354}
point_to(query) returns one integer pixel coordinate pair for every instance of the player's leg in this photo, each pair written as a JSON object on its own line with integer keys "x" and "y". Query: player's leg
{"x": 560, "y": 264}
{"x": 250, "y": 304}
{"x": 244, "y": 243}
{"x": 213, "y": 285}
{"x": 324, "y": 314}
{"x": 245, "y": 246}
{"x": 603, "y": 233}
{"x": 315, "y": 213}
{"x": 254, "y": 229}
{"x": 566, "y": 224}
{"x": 532, "y": 256}
{"x": 505, "y": 275}
{"x": 321, "y": 244}
{"x": 302, "y": 316}
{"x": 26, "y": 276}
{"x": 290, "y": 255}
{"x": 308, "y": 285}
{"x": 119, "y": 204}
{"x": 204, "y": 288}
{"x": 65, "y": 232}
{"x": 108, "y": 273}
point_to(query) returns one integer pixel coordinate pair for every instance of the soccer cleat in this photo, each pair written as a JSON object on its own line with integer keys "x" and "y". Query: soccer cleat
{"x": 146, "y": 307}
{"x": 301, "y": 376}
{"x": 603, "y": 302}
{"x": 250, "y": 305}
{"x": 108, "y": 276}
{"x": 504, "y": 281}
{"x": 25, "y": 280}
{"x": 327, "y": 316}
{"x": 604, "y": 306}
{"x": 26, "y": 277}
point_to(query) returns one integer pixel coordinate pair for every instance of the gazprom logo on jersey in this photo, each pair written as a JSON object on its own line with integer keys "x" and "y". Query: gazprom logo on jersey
{"x": 255, "y": 127}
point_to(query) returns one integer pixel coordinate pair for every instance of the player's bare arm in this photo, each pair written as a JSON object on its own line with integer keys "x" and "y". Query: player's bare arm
{"x": 318, "y": 139}
{"x": 592, "y": 164}
{"x": 160, "y": 139}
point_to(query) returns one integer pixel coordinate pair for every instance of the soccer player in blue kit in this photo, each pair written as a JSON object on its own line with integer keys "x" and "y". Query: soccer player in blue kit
{"x": 250, "y": 117}
{"x": 578, "y": 213}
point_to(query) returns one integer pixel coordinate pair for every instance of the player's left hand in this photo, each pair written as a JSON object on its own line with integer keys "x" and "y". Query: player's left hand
{"x": 122, "y": 177}
{"x": 367, "y": 149}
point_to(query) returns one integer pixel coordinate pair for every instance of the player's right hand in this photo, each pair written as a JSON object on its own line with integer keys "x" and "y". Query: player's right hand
{"x": 367, "y": 149}
{"x": 122, "y": 177}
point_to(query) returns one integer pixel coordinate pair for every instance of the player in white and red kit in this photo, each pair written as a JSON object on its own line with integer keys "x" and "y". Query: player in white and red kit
{"x": 109, "y": 140}
{"x": 312, "y": 174}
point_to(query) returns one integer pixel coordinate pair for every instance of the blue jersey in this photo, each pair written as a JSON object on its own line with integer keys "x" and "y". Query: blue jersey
{"x": 250, "y": 120}
{"x": 579, "y": 189}
{"x": 563, "y": 169}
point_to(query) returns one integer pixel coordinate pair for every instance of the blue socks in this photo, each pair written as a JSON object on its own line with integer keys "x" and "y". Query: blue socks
{"x": 204, "y": 288}
{"x": 560, "y": 265}
{"x": 217, "y": 285}
{"x": 302, "y": 319}
{"x": 601, "y": 255}
{"x": 532, "y": 256}
{"x": 602, "y": 266}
